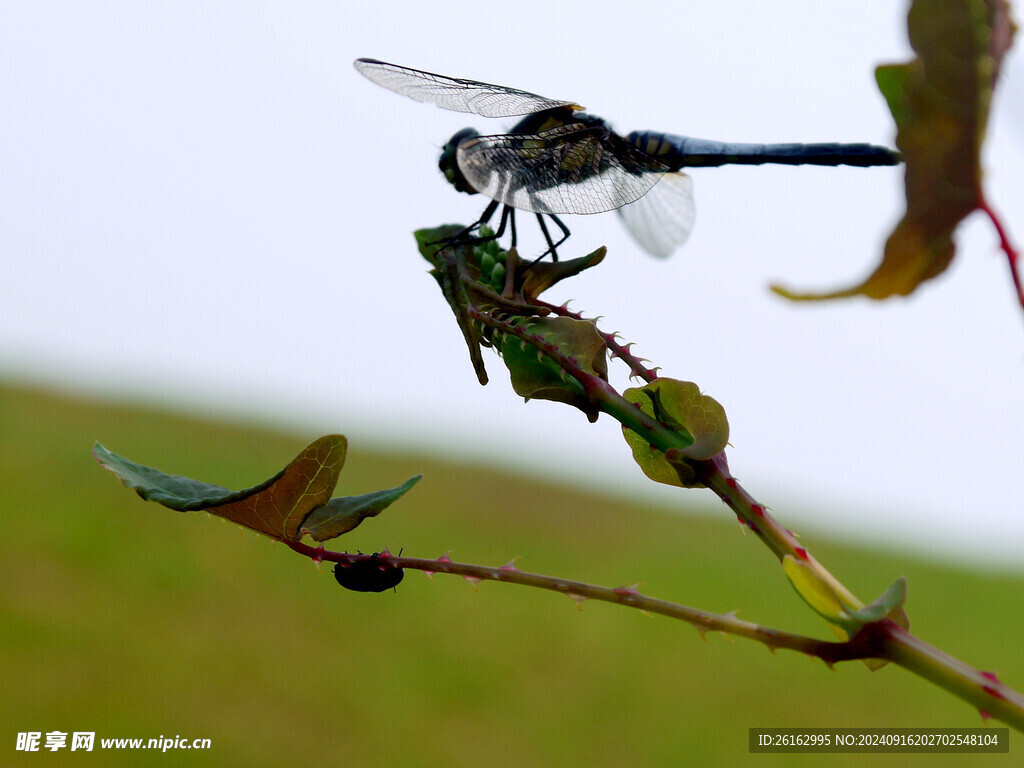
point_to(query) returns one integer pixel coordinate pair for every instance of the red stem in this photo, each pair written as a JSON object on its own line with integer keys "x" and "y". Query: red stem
{"x": 1012, "y": 254}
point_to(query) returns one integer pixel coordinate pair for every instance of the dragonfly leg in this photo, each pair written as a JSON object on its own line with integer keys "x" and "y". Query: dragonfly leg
{"x": 485, "y": 217}
{"x": 466, "y": 236}
{"x": 508, "y": 213}
{"x": 470, "y": 235}
{"x": 552, "y": 246}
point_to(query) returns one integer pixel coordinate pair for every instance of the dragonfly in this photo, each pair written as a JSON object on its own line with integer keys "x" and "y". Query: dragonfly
{"x": 559, "y": 160}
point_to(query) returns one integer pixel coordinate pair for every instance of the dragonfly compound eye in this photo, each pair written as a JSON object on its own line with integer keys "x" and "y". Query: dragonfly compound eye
{"x": 370, "y": 575}
{"x": 449, "y": 164}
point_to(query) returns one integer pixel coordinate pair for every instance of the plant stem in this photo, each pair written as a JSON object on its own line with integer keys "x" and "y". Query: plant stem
{"x": 714, "y": 472}
{"x": 830, "y": 652}
{"x": 1012, "y": 255}
{"x": 982, "y": 689}
{"x": 620, "y": 351}
{"x": 882, "y": 640}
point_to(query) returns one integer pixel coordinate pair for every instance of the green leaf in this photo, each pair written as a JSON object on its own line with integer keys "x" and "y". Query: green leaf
{"x": 844, "y": 612}
{"x": 885, "y": 605}
{"x": 482, "y": 279}
{"x": 940, "y": 102}
{"x": 534, "y": 374}
{"x": 344, "y": 513}
{"x": 431, "y": 241}
{"x": 680, "y": 406}
{"x": 182, "y": 494}
{"x": 892, "y": 82}
{"x": 446, "y": 272}
{"x": 544, "y": 274}
{"x": 820, "y": 595}
{"x": 275, "y": 507}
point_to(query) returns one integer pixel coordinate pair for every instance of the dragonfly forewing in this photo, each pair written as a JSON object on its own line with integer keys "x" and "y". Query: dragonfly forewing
{"x": 456, "y": 94}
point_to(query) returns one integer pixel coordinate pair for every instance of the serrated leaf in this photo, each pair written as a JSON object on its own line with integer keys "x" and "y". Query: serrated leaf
{"x": 680, "y": 406}
{"x": 536, "y": 375}
{"x": 275, "y": 508}
{"x": 544, "y": 274}
{"x": 344, "y": 513}
{"x": 940, "y": 102}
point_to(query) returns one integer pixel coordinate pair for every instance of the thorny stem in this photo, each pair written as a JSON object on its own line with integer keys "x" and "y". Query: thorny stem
{"x": 620, "y": 351}
{"x": 716, "y": 476}
{"x": 982, "y": 689}
{"x": 882, "y": 639}
{"x": 599, "y": 391}
{"x": 714, "y": 473}
{"x": 829, "y": 652}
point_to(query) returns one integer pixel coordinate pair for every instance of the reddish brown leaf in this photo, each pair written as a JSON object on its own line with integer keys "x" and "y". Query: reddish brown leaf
{"x": 940, "y": 102}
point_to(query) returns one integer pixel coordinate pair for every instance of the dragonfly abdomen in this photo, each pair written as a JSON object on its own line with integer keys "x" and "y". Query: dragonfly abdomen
{"x": 679, "y": 152}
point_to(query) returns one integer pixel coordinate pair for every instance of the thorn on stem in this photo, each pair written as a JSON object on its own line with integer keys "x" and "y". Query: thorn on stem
{"x": 993, "y": 692}
{"x": 631, "y": 591}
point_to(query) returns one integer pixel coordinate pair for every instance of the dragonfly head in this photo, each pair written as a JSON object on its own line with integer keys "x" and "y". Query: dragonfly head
{"x": 450, "y": 167}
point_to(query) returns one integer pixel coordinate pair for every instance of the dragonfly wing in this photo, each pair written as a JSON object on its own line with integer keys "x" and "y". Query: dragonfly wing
{"x": 573, "y": 168}
{"x": 455, "y": 93}
{"x": 662, "y": 219}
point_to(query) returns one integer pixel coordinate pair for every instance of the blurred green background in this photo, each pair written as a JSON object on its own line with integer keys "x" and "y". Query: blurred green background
{"x": 130, "y": 620}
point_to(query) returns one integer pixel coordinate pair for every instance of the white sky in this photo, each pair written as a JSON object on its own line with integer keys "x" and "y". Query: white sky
{"x": 204, "y": 204}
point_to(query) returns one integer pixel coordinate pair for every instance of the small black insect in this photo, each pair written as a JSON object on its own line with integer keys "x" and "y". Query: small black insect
{"x": 371, "y": 575}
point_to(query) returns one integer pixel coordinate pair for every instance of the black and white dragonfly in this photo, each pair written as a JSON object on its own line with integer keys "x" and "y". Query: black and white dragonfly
{"x": 559, "y": 160}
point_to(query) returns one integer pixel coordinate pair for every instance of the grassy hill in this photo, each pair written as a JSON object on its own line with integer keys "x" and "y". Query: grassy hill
{"x": 130, "y": 620}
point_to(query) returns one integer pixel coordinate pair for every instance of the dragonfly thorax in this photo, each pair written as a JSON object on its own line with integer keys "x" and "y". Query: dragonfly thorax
{"x": 449, "y": 165}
